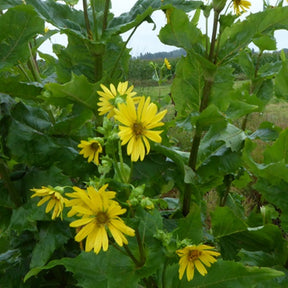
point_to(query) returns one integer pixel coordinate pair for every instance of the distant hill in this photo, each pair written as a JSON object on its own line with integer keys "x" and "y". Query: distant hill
{"x": 160, "y": 55}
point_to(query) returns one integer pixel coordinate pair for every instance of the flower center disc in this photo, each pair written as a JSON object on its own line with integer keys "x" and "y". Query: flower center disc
{"x": 194, "y": 255}
{"x": 95, "y": 146}
{"x": 102, "y": 218}
{"x": 137, "y": 129}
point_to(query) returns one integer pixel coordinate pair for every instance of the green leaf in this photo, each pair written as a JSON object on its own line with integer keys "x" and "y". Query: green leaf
{"x": 222, "y": 274}
{"x": 60, "y": 15}
{"x": 52, "y": 236}
{"x": 225, "y": 222}
{"x": 191, "y": 226}
{"x": 238, "y": 109}
{"x": 17, "y": 88}
{"x": 244, "y": 60}
{"x": 187, "y": 86}
{"x": 277, "y": 152}
{"x": 222, "y": 89}
{"x": 267, "y": 131}
{"x": 9, "y": 3}
{"x": 281, "y": 82}
{"x": 142, "y": 10}
{"x": 81, "y": 57}
{"x": 77, "y": 91}
{"x": 69, "y": 124}
{"x": 180, "y": 32}
{"x": 26, "y": 137}
{"x": 265, "y": 42}
{"x": 92, "y": 270}
{"x": 240, "y": 34}
{"x": 14, "y": 38}
{"x": 211, "y": 116}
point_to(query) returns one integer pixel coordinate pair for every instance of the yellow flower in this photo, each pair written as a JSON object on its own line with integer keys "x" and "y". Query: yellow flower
{"x": 195, "y": 256}
{"x": 91, "y": 150}
{"x": 79, "y": 196}
{"x": 99, "y": 215}
{"x": 138, "y": 124}
{"x": 241, "y": 4}
{"x": 56, "y": 200}
{"x": 168, "y": 65}
{"x": 110, "y": 98}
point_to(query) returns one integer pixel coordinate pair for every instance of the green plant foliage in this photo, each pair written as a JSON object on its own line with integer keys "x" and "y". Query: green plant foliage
{"x": 91, "y": 200}
{"x": 13, "y": 46}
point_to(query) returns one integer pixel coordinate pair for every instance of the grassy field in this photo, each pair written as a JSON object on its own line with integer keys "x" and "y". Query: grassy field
{"x": 276, "y": 112}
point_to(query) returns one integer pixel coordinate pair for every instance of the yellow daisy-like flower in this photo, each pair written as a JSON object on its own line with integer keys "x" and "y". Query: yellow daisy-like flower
{"x": 167, "y": 64}
{"x": 241, "y": 4}
{"x": 137, "y": 126}
{"x": 110, "y": 98}
{"x": 56, "y": 200}
{"x": 99, "y": 215}
{"x": 80, "y": 195}
{"x": 195, "y": 256}
{"x": 91, "y": 150}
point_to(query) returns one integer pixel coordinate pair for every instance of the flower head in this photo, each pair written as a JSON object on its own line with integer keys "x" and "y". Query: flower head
{"x": 167, "y": 64}
{"x": 241, "y": 4}
{"x": 110, "y": 98}
{"x": 99, "y": 215}
{"x": 56, "y": 200}
{"x": 91, "y": 150}
{"x": 79, "y": 196}
{"x": 137, "y": 126}
{"x": 195, "y": 256}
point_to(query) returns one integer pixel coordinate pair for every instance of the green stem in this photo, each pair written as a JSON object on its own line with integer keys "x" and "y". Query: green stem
{"x": 86, "y": 18}
{"x": 133, "y": 258}
{"x": 95, "y": 22}
{"x": 198, "y": 131}
{"x": 141, "y": 248}
{"x": 23, "y": 70}
{"x": 122, "y": 51}
{"x": 33, "y": 65}
{"x": 228, "y": 179}
{"x": 105, "y": 16}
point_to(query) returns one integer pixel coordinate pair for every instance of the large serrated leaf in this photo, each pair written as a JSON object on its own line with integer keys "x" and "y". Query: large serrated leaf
{"x": 91, "y": 270}
{"x": 14, "y": 38}
{"x": 241, "y": 34}
{"x": 77, "y": 91}
{"x": 51, "y": 237}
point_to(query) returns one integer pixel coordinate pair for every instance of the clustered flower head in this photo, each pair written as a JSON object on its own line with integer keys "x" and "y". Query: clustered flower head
{"x": 100, "y": 217}
{"x": 241, "y": 4}
{"x": 91, "y": 150}
{"x": 53, "y": 197}
{"x": 111, "y": 97}
{"x": 137, "y": 124}
{"x": 195, "y": 256}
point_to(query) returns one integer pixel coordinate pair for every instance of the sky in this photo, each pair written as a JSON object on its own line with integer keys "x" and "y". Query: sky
{"x": 145, "y": 39}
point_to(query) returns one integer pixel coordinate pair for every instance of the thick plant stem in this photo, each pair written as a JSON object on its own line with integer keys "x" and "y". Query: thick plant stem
{"x": 195, "y": 148}
{"x": 141, "y": 249}
{"x": 86, "y": 18}
{"x": 198, "y": 131}
{"x": 105, "y": 17}
{"x": 33, "y": 65}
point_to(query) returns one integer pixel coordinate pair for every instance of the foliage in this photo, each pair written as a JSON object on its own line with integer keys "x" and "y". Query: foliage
{"x": 48, "y": 105}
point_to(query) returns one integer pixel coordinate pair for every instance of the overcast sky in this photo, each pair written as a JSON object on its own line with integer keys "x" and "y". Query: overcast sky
{"x": 146, "y": 40}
